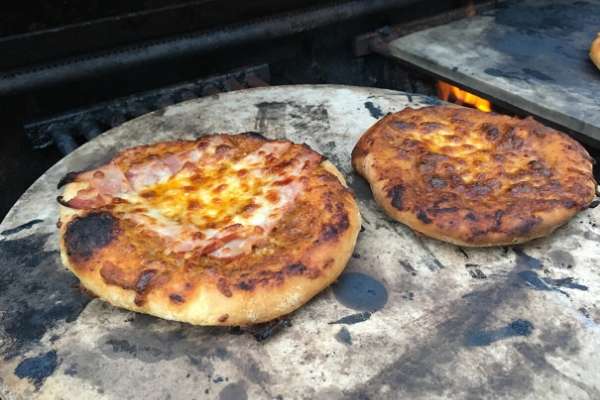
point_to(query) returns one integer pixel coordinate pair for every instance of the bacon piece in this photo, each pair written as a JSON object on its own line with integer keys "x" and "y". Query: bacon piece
{"x": 104, "y": 183}
{"x": 148, "y": 173}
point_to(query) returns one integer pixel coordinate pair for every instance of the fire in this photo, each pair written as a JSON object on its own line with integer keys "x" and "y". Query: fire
{"x": 461, "y": 97}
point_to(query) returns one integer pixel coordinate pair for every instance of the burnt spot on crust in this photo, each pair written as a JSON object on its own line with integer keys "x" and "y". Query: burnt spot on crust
{"x": 222, "y": 149}
{"x": 295, "y": 269}
{"x": 176, "y": 298}
{"x": 491, "y": 131}
{"x": 498, "y": 219}
{"x": 255, "y": 135}
{"x": 539, "y": 168}
{"x": 337, "y": 227}
{"x": 428, "y": 127}
{"x": 401, "y": 125}
{"x": 569, "y": 204}
{"x": 247, "y": 286}
{"x": 444, "y": 210}
{"x": 512, "y": 141}
{"x": 438, "y": 183}
{"x": 68, "y": 178}
{"x": 113, "y": 275}
{"x": 144, "y": 280}
{"x": 223, "y": 318}
{"x": 223, "y": 287}
{"x": 526, "y": 225}
{"x": 396, "y": 194}
{"x": 422, "y": 216}
{"x": 471, "y": 216}
{"x": 85, "y": 235}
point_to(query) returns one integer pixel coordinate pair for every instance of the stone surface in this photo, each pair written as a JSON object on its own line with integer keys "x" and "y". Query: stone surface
{"x": 530, "y": 54}
{"x": 410, "y": 318}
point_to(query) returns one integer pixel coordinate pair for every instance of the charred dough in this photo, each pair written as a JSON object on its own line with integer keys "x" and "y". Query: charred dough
{"x": 224, "y": 230}
{"x": 474, "y": 178}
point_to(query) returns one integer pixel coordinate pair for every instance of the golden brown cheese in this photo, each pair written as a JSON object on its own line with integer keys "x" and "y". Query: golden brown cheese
{"x": 474, "y": 178}
{"x": 228, "y": 229}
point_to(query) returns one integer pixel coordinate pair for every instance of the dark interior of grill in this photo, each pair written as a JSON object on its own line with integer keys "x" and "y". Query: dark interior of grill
{"x": 73, "y": 71}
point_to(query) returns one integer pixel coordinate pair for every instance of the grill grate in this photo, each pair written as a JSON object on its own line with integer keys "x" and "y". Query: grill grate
{"x": 68, "y": 131}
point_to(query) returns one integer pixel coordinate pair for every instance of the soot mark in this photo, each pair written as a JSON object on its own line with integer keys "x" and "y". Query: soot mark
{"x": 374, "y": 110}
{"x": 37, "y": 369}
{"x": 262, "y": 332}
{"x": 360, "y": 187}
{"x": 594, "y": 204}
{"x": 519, "y": 327}
{"x": 534, "y": 281}
{"x": 30, "y": 275}
{"x": 475, "y": 272}
{"x": 503, "y": 74}
{"x": 353, "y": 319}
{"x": 270, "y": 114}
{"x": 17, "y": 229}
{"x": 308, "y": 118}
{"x": 255, "y": 135}
{"x": 537, "y": 74}
{"x": 234, "y": 391}
{"x": 525, "y": 260}
{"x": 343, "y": 336}
{"x": 360, "y": 292}
{"x": 566, "y": 283}
{"x": 409, "y": 268}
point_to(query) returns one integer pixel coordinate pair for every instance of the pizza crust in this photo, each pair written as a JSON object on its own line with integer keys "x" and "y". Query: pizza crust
{"x": 208, "y": 303}
{"x": 413, "y": 175}
{"x": 595, "y": 51}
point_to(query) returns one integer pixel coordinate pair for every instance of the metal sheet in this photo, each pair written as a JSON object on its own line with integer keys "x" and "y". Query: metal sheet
{"x": 410, "y": 317}
{"x": 530, "y": 54}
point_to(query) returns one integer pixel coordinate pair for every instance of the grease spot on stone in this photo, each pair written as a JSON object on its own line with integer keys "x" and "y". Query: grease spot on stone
{"x": 519, "y": 327}
{"x": 37, "y": 369}
{"x": 526, "y": 260}
{"x": 534, "y": 281}
{"x": 353, "y": 319}
{"x": 234, "y": 391}
{"x": 374, "y": 110}
{"x": 17, "y": 229}
{"x": 360, "y": 292}
{"x": 343, "y": 336}
{"x": 537, "y": 74}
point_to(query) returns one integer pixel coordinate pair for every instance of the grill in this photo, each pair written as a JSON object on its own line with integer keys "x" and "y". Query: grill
{"x": 411, "y": 317}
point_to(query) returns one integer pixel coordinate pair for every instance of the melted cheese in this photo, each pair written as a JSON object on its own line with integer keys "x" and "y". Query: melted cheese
{"x": 222, "y": 207}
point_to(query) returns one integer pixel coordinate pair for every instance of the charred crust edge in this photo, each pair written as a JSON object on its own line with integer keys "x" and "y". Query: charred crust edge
{"x": 68, "y": 178}
{"x": 334, "y": 229}
{"x": 89, "y": 233}
{"x": 423, "y": 217}
{"x": 255, "y": 135}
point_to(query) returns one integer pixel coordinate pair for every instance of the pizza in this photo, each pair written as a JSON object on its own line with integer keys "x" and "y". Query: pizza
{"x": 473, "y": 178}
{"x": 223, "y": 230}
{"x": 595, "y": 51}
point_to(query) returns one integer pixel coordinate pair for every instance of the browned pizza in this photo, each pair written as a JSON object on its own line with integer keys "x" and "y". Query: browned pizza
{"x": 595, "y": 51}
{"x": 224, "y": 230}
{"x": 474, "y": 178}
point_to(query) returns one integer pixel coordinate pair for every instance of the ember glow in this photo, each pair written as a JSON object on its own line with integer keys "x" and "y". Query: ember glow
{"x": 461, "y": 97}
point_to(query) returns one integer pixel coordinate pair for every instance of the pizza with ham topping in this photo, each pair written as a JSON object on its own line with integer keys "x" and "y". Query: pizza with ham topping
{"x": 223, "y": 230}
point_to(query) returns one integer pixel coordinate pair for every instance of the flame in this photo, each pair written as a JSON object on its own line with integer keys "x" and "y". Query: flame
{"x": 461, "y": 97}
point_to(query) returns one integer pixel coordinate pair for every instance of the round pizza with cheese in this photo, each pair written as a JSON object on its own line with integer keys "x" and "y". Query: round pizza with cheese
{"x": 223, "y": 230}
{"x": 473, "y": 178}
